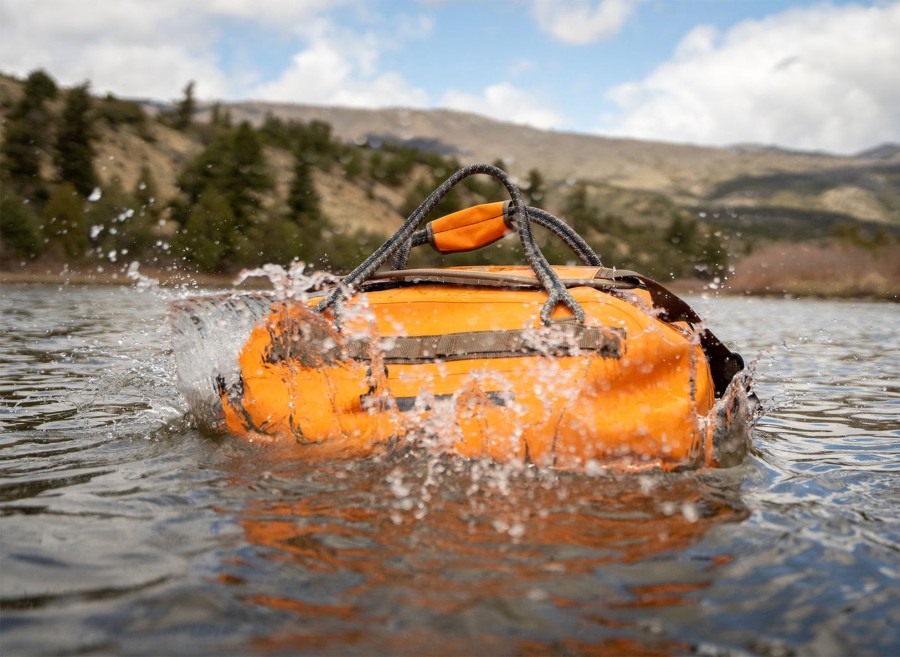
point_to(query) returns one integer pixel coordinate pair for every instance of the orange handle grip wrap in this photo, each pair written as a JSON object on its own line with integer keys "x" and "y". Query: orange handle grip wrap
{"x": 469, "y": 229}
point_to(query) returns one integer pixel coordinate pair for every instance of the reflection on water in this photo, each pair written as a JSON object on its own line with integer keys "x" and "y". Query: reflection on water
{"x": 424, "y": 551}
{"x": 123, "y": 530}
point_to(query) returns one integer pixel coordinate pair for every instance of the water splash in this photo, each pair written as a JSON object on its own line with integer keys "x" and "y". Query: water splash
{"x": 291, "y": 283}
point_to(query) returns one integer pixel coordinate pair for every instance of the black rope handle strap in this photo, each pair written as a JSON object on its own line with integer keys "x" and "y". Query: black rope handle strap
{"x": 567, "y": 234}
{"x": 397, "y": 244}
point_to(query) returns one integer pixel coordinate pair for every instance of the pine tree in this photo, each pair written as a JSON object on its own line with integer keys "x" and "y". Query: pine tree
{"x": 314, "y": 140}
{"x": 142, "y": 224}
{"x": 145, "y": 194}
{"x": 579, "y": 211}
{"x": 119, "y": 229}
{"x": 303, "y": 199}
{"x": 64, "y": 224}
{"x": 21, "y": 164}
{"x": 534, "y": 191}
{"x": 278, "y": 241}
{"x": 220, "y": 118}
{"x": 304, "y": 209}
{"x": 19, "y": 229}
{"x": 683, "y": 233}
{"x": 74, "y": 151}
{"x": 39, "y": 87}
{"x": 208, "y": 236}
{"x": 27, "y": 136}
{"x": 713, "y": 260}
{"x": 184, "y": 111}
{"x": 233, "y": 163}
{"x": 247, "y": 176}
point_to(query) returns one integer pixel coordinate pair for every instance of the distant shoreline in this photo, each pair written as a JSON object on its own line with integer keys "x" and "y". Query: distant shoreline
{"x": 44, "y": 274}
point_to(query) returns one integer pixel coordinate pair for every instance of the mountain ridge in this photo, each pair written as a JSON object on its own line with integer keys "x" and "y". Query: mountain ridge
{"x": 687, "y": 173}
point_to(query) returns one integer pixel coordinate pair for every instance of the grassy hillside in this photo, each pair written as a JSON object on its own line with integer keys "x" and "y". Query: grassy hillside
{"x": 866, "y": 187}
{"x": 170, "y": 190}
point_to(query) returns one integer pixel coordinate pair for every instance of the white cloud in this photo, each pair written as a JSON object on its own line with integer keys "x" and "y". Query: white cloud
{"x": 407, "y": 28}
{"x": 582, "y": 21}
{"x": 123, "y": 46}
{"x": 505, "y": 102}
{"x": 164, "y": 70}
{"x": 340, "y": 68}
{"x": 818, "y": 78}
{"x": 288, "y": 14}
{"x": 520, "y": 66}
{"x": 152, "y": 49}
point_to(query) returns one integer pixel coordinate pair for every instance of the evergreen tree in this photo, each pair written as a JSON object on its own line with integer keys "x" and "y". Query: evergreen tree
{"x": 220, "y": 118}
{"x": 208, "y": 236}
{"x": 184, "y": 111}
{"x": 232, "y": 163}
{"x": 683, "y": 233}
{"x": 39, "y": 87}
{"x": 119, "y": 228}
{"x": 314, "y": 141}
{"x": 248, "y": 176}
{"x": 303, "y": 199}
{"x": 347, "y": 250}
{"x": 21, "y": 158}
{"x": 145, "y": 194}
{"x": 64, "y": 224}
{"x": 352, "y": 160}
{"x": 116, "y": 112}
{"x": 304, "y": 209}
{"x": 27, "y": 136}
{"x": 713, "y": 260}
{"x": 578, "y": 210}
{"x": 534, "y": 191}
{"x": 275, "y": 131}
{"x": 142, "y": 226}
{"x": 208, "y": 169}
{"x": 19, "y": 229}
{"x": 74, "y": 151}
{"x": 215, "y": 115}
{"x": 278, "y": 241}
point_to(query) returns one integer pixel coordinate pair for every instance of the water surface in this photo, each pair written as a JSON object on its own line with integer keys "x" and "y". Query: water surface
{"x": 124, "y": 530}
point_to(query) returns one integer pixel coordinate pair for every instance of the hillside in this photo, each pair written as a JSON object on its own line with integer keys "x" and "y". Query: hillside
{"x": 670, "y": 210}
{"x": 865, "y": 187}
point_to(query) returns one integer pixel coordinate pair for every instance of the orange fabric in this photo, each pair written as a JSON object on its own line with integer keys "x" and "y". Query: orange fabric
{"x": 643, "y": 407}
{"x": 468, "y": 229}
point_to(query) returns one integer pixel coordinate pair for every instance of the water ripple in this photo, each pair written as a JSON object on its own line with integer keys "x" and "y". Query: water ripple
{"x": 125, "y": 531}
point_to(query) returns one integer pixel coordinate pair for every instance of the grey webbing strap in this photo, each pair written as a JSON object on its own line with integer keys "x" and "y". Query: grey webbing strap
{"x": 568, "y": 339}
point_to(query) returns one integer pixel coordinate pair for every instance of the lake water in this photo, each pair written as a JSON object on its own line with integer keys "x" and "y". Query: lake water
{"x": 124, "y": 530}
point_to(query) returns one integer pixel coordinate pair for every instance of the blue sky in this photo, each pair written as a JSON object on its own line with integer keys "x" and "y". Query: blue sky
{"x": 793, "y": 73}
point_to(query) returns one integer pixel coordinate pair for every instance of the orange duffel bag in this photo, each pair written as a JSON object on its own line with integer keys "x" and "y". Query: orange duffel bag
{"x": 558, "y": 366}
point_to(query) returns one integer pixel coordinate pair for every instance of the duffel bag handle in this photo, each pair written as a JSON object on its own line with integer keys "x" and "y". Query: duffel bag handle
{"x": 481, "y": 225}
{"x": 396, "y": 244}
{"x": 470, "y": 229}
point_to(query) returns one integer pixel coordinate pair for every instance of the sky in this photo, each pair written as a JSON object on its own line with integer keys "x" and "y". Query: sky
{"x": 797, "y": 74}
